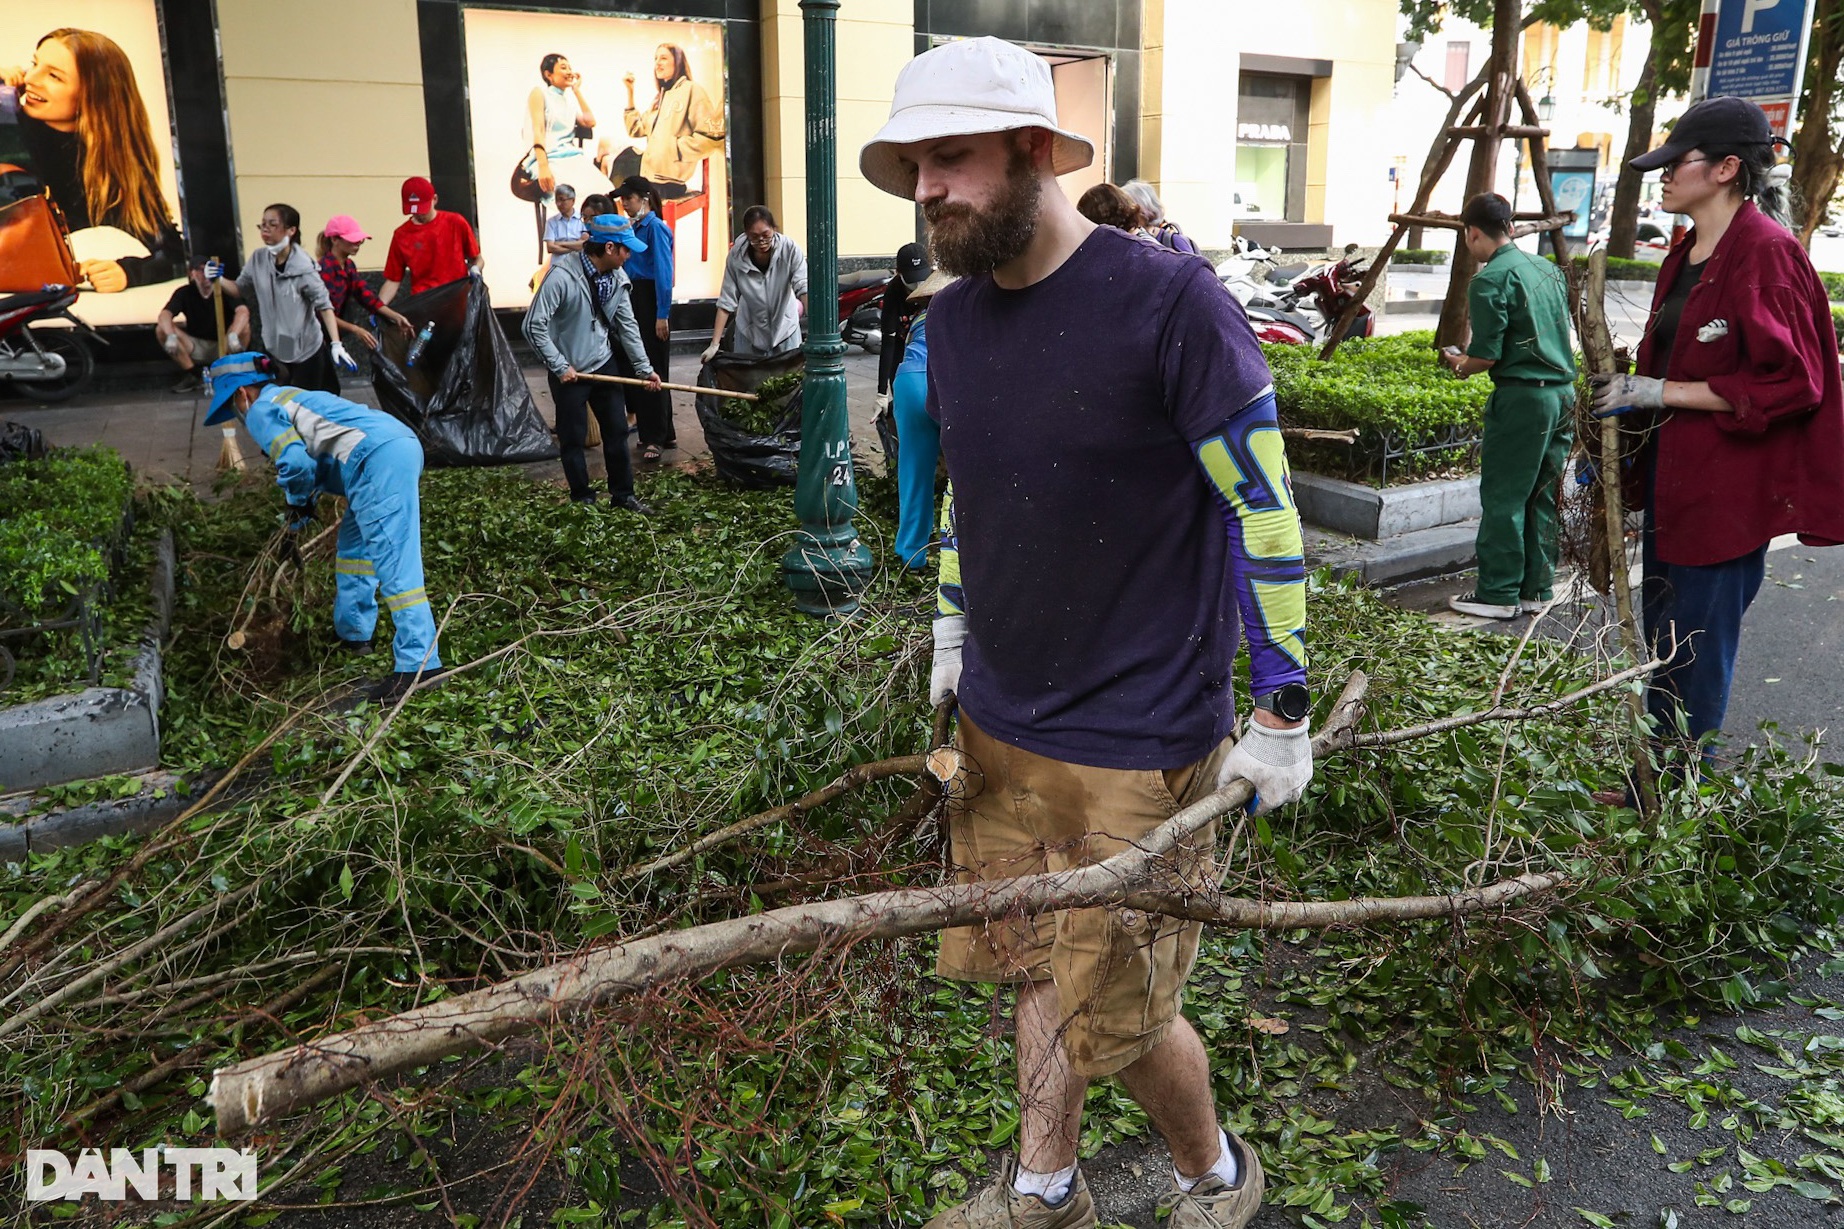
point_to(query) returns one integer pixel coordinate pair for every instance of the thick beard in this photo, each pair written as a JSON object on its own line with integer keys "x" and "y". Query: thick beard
{"x": 965, "y": 241}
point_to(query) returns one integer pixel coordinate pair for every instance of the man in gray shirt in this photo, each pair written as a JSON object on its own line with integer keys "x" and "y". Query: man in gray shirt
{"x": 765, "y": 289}
{"x": 583, "y": 300}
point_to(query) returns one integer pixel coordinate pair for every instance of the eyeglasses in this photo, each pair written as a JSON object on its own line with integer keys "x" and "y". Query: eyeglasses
{"x": 1671, "y": 171}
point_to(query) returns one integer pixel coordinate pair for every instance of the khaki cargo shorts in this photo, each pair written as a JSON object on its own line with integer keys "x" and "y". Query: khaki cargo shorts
{"x": 1119, "y": 972}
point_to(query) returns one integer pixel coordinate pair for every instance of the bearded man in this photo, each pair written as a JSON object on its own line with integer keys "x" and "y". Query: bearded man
{"x": 1118, "y": 494}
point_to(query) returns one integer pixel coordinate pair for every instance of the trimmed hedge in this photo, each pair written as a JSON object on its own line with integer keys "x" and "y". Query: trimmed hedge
{"x": 1381, "y": 386}
{"x": 1837, "y": 322}
{"x": 58, "y": 518}
{"x": 1618, "y": 270}
{"x": 1834, "y": 285}
{"x": 1418, "y": 256}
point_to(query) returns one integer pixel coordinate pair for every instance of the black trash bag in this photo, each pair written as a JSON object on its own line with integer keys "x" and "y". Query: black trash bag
{"x": 19, "y": 442}
{"x": 466, "y": 398}
{"x": 744, "y": 458}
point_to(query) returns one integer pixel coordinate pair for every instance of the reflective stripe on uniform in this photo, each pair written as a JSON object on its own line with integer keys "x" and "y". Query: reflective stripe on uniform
{"x": 281, "y": 442}
{"x": 354, "y": 567}
{"x": 406, "y": 599}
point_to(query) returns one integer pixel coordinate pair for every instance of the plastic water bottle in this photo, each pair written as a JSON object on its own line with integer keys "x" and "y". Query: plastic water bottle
{"x": 420, "y": 344}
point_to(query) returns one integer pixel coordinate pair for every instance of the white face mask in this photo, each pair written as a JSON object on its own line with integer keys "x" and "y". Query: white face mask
{"x": 276, "y": 249}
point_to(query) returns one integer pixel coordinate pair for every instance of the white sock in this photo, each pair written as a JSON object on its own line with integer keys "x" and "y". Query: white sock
{"x": 1227, "y": 1169}
{"x": 1051, "y": 1188}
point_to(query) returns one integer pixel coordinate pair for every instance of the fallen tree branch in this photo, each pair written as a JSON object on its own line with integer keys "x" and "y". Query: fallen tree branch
{"x": 1498, "y": 712}
{"x": 251, "y": 1093}
{"x": 850, "y": 779}
{"x": 40, "y": 906}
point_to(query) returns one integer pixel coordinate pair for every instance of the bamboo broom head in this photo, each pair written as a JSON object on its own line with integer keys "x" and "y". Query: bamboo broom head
{"x": 230, "y": 453}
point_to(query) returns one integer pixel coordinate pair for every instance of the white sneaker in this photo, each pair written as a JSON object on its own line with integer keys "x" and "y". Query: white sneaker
{"x": 1527, "y": 606}
{"x": 1469, "y": 604}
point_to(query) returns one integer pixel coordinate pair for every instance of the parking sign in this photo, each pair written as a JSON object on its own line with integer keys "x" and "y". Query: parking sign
{"x": 1754, "y": 49}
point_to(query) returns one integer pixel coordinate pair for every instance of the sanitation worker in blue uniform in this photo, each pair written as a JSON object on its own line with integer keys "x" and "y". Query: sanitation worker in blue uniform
{"x": 322, "y": 442}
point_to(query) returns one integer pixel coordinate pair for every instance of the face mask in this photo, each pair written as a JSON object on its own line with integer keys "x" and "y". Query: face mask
{"x": 276, "y": 249}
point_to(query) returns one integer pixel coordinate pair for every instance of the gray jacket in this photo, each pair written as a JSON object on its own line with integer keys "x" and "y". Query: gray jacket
{"x": 288, "y": 300}
{"x": 761, "y": 302}
{"x": 564, "y": 327}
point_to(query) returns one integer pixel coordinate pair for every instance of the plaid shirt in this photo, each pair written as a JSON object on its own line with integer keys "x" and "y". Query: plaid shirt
{"x": 343, "y": 281}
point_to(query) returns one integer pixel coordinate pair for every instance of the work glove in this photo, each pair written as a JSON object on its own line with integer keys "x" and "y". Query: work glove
{"x": 884, "y": 401}
{"x": 343, "y": 358}
{"x": 710, "y": 352}
{"x": 1278, "y": 763}
{"x": 1617, "y": 392}
{"x": 233, "y": 342}
{"x": 214, "y": 269}
{"x": 300, "y": 516}
{"x": 944, "y": 675}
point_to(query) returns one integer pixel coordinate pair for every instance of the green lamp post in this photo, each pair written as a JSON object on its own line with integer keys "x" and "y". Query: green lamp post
{"x": 828, "y": 566}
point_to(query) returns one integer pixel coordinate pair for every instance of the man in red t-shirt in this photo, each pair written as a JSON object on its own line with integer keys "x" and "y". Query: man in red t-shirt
{"x": 432, "y": 249}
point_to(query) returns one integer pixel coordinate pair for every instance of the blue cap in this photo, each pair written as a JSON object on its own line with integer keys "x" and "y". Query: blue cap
{"x": 231, "y": 373}
{"x": 613, "y": 228}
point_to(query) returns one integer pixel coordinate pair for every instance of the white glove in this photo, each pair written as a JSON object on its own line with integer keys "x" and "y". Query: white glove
{"x": 1278, "y": 763}
{"x": 233, "y": 342}
{"x": 884, "y": 401}
{"x": 944, "y": 675}
{"x": 344, "y": 359}
{"x": 1612, "y": 392}
{"x": 214, "y": 269}
{"x": 710, "y": 352}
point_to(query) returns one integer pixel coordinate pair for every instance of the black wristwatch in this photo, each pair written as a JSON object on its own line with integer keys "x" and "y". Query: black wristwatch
{"x": 1290, "y": 703}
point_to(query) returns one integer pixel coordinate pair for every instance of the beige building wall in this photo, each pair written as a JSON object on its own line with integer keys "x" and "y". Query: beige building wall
{"x": 1190, "y": 66}
{"x": 874, "y": 39}
{"x": 326, "y": 133}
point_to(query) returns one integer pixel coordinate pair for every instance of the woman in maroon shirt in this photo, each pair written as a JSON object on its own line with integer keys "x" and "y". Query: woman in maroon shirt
{"x": 1739, "y": 373}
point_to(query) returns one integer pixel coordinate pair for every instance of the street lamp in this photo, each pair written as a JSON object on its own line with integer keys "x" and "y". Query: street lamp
{"x": 828, "y": 566}
{"x": 1546, "y": 108}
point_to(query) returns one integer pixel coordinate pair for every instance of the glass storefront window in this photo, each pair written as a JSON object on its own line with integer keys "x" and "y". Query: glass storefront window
{"x": 1261, "y": 182}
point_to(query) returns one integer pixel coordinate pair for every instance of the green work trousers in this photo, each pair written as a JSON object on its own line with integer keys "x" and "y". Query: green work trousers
{"x": 1528, "y": 428}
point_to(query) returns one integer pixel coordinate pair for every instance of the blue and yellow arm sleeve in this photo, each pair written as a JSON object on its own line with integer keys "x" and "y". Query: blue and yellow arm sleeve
{"x": 1245, "y": 464}
{"x": 949, "y": 598}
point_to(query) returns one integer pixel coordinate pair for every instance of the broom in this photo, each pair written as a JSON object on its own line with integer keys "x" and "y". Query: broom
{"x": 230, "y": 452}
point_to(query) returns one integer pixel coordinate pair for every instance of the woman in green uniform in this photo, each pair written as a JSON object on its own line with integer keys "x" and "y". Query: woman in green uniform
{"x": 1521, "y": 337}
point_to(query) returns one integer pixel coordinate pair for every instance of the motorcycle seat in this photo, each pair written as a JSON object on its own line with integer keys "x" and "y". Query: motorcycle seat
{"x": 33, "y": 298}
{"x": 863, "y": 277}
{"x": 1288, "y": 273}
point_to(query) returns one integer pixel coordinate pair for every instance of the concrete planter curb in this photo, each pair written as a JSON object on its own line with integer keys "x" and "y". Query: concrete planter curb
{"x": 159, "y": 801}
{"x": 99, "y": 731}
{"x": 1366, "y": 512}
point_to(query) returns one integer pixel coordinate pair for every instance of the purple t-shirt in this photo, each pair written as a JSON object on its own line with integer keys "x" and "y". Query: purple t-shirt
{"x": 1093, "y": 557}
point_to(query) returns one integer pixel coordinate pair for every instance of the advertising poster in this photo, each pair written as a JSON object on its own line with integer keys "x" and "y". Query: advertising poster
{"x": 83, "y": 118}
{"x": 588, "y": 101}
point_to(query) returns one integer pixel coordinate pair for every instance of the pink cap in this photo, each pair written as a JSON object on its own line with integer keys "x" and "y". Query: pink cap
{"x": 342, "y": 226}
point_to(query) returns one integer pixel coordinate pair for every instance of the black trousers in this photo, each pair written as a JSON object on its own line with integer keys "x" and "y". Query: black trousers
{"x": 652, "y": 411}
{"x": 316, "y": 373}
{"x": 574, "y": 401}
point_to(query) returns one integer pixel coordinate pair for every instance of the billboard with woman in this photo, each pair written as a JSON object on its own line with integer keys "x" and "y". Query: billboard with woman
{"x": 80, "y": 124}
{"x": 588, "y": 101}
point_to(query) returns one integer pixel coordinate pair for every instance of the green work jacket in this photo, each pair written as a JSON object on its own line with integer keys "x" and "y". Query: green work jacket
{"x": 1521, "y": 319}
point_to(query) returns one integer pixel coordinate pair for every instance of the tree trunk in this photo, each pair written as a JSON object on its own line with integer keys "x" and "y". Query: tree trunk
{"x": 1623, "y": 219}
{"x": 1818, "y": 158}
{"x": 1482, "y": 174}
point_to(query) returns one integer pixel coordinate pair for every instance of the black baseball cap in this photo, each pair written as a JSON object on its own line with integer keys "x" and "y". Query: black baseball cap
{"x": 912, "y": 264}
{"x": 1712, "y": 123}
{"x": 635, "y": 185}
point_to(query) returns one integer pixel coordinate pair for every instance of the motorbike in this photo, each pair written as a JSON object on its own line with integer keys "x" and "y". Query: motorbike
{"x": 861, "y": 308}
{"x": 49, "y": 363}
{"x": 1277, "y": 314}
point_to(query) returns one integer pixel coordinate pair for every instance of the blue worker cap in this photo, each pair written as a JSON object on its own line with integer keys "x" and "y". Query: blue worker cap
{"x": 231, "y": 373}
{"x": 613, "y": 228}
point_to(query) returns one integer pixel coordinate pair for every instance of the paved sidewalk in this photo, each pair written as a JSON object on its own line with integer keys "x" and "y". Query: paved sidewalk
{"x": 160, "y": 435}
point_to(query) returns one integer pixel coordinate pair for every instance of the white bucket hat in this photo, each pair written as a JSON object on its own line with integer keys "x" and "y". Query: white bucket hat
{"x": 961, "y": 88}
